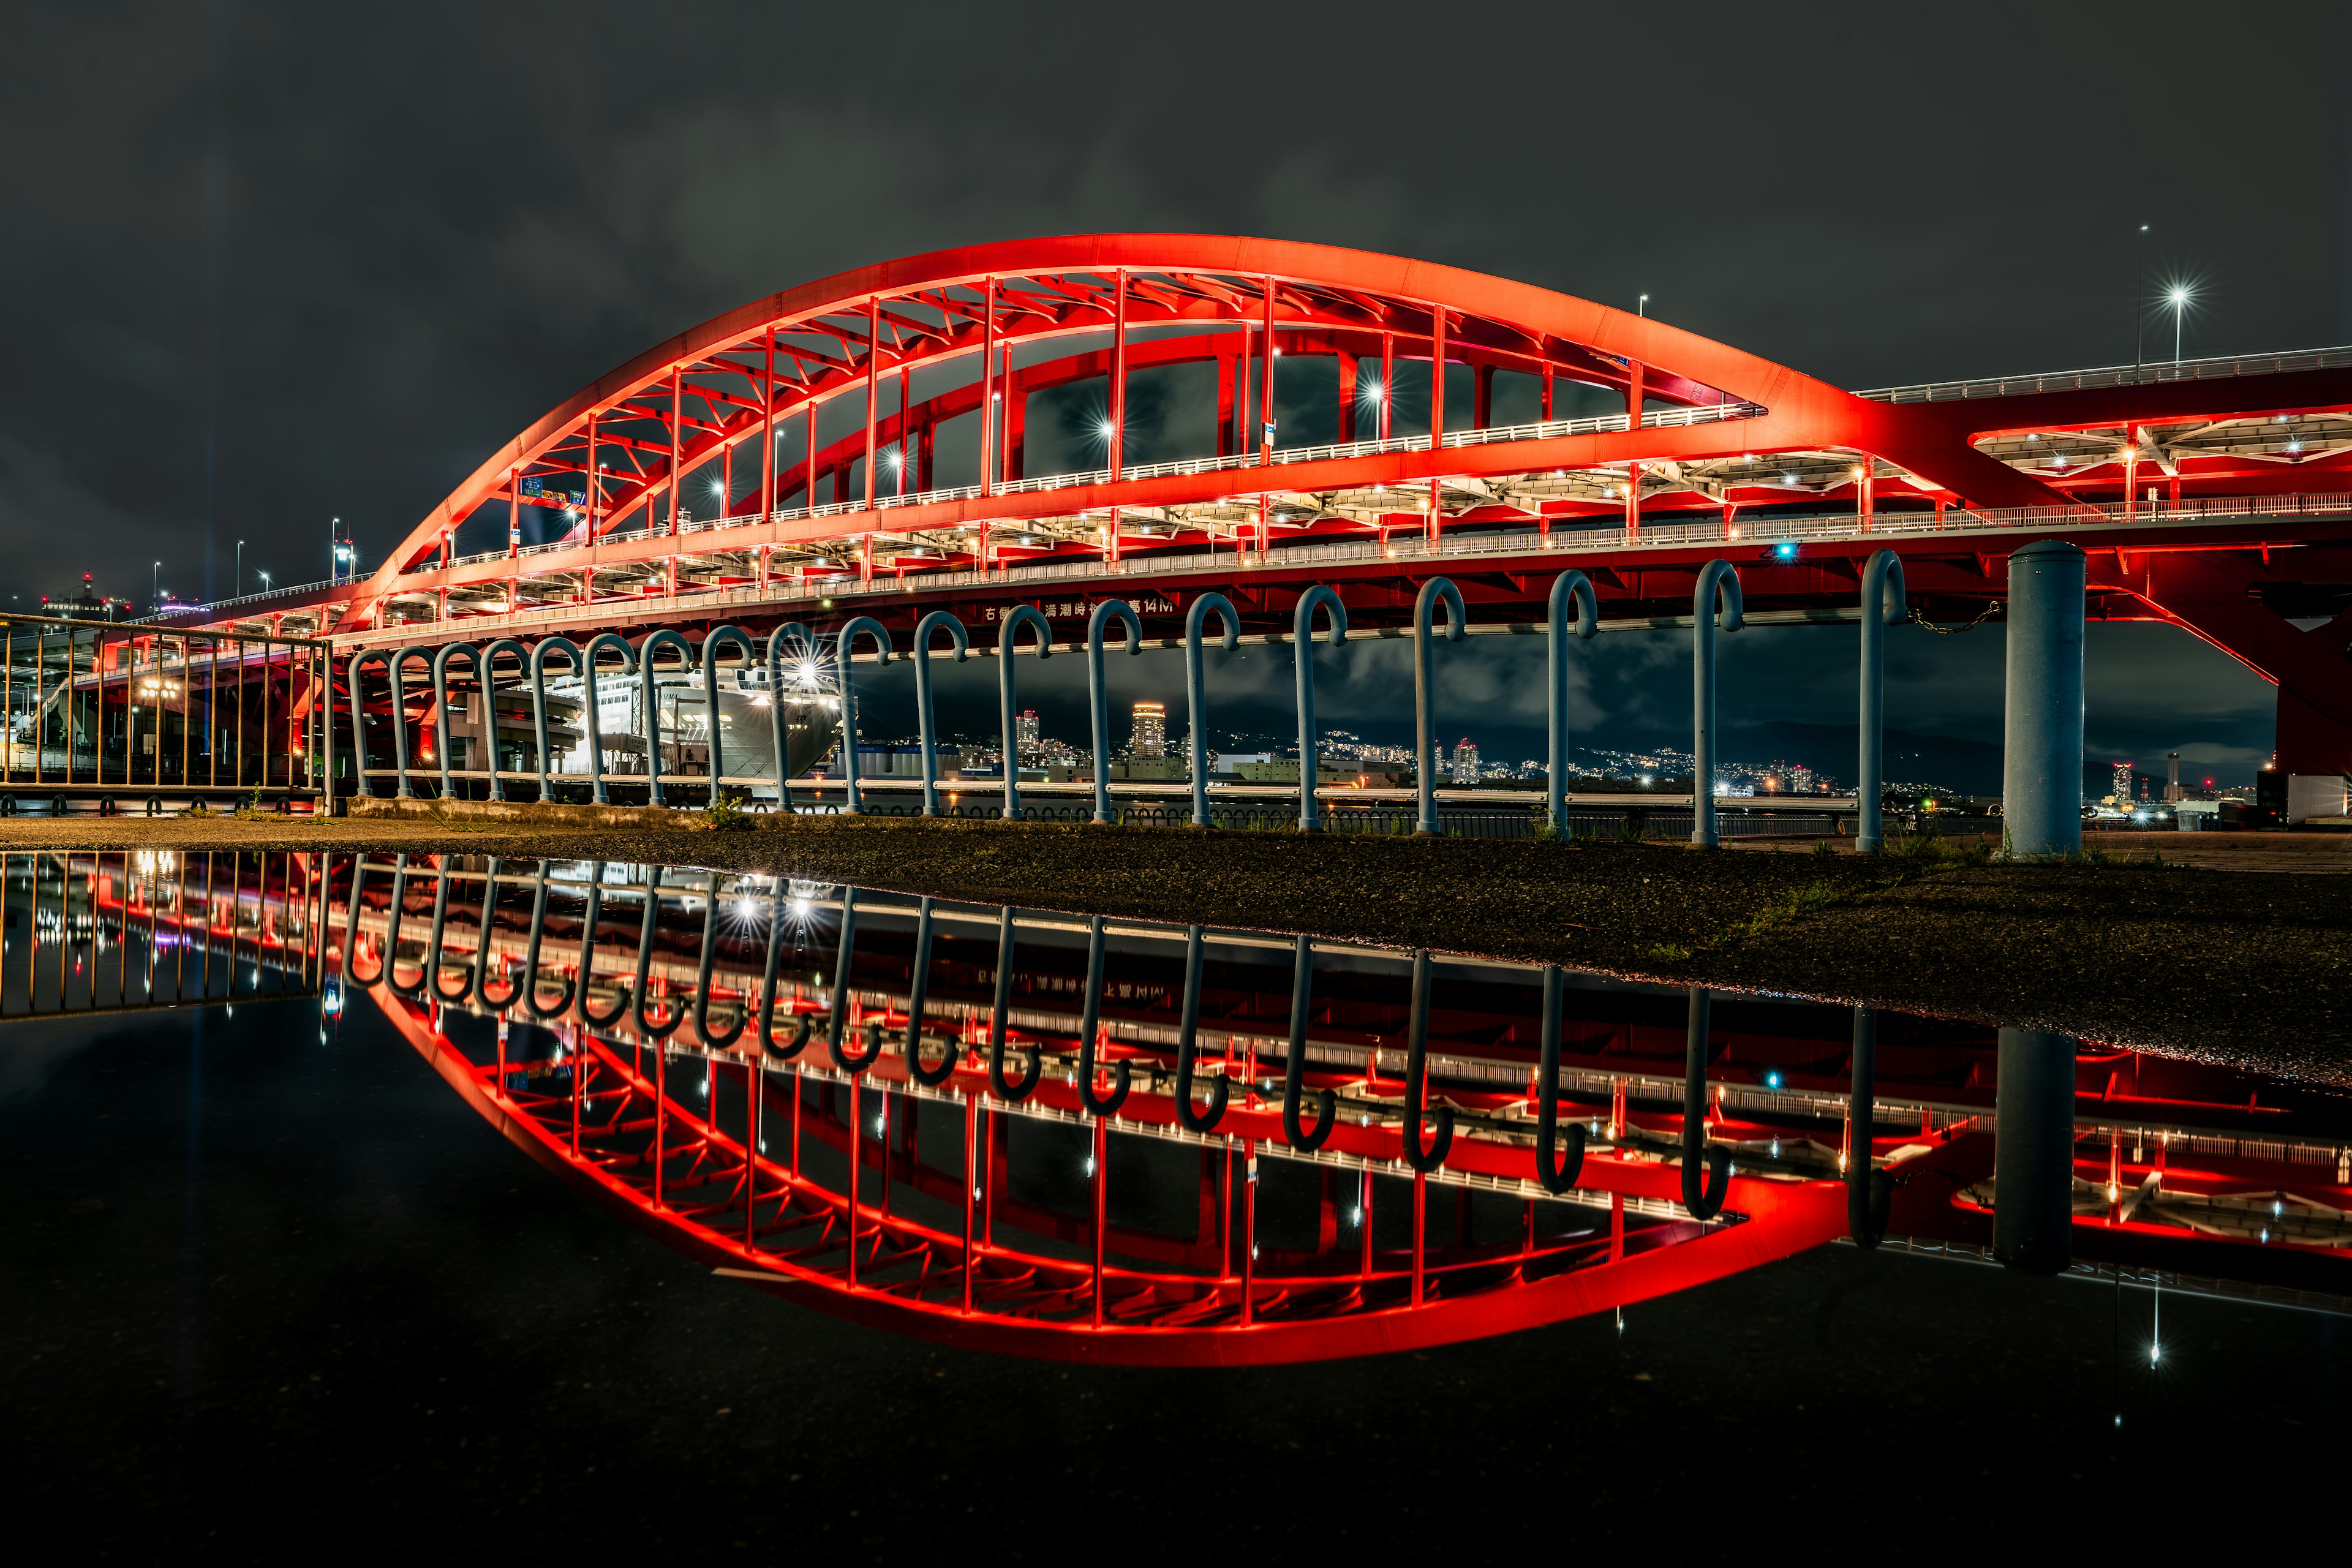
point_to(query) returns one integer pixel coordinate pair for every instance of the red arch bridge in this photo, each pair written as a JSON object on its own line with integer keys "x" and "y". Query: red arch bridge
{"x": 967, "y": 431}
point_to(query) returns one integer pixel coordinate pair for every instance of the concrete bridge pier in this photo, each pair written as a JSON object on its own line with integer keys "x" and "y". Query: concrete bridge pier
{"x": 2042, "y": 766}
{"x": 2033, "y": 1152}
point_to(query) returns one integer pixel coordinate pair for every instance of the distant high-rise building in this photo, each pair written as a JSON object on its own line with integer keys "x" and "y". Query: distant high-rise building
{"x": 1151, "y": 735}
{"x": 2171, "y": 778}
{"x": 1024, "y": 728}
{"x": 1801, "y": 780}
{"x": 2122, "y": 783}
{"x": 1466, "y": 762}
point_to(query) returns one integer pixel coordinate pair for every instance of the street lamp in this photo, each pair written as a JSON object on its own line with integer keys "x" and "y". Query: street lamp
{"x": 240, "y": 571}
{"x": 156, "y": 598}
{"x": 2177, "y": 298}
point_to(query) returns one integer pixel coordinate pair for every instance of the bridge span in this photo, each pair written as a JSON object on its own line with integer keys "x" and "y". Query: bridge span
{"x": 864, "y": 446}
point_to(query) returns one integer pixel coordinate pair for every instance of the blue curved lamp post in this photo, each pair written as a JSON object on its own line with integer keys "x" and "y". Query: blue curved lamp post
{"x": 650, "y": 696}
{"x": 778, "y": 641}
{"x": 1882, "y": 606}
{"x": 1107, "y": 612}
{"x": 1569, "y": 588}
{"x": 570, "y": 651}
{"x": 393, "y": 660}
{"x": 440, "y": 667}
{"x": 937, "y": 621}
{"x": 848, "y": 638}
{"x": 710, "y": 646}
{"x": 1425, "y": 717}
{"x": 480, "y": 661}
{"x": 1008, "y": 700}
{"x": 1706, "y": 1168}
{"x": 1716, "y": 575}
{"x": 1302, "y": 633}
{"x": 1196, "y": 694}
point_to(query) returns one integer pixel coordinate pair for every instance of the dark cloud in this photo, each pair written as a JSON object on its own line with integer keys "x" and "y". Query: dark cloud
{"x": 430, "y": 223}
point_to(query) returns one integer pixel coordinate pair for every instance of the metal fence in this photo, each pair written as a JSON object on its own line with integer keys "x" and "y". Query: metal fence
{"x": 1388, "y": 818}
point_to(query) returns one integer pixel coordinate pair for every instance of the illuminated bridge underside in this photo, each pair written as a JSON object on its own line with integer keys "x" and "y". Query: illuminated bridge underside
{"x": 781, "y": 461}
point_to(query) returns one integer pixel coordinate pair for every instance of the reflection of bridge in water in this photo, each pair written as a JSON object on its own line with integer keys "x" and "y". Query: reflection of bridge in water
{"x": 138, "y": 930}
{"x": 1111, "y": 1142}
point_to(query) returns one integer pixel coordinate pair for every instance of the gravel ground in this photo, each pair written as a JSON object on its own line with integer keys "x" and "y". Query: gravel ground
{"x": 2250, "y": 966}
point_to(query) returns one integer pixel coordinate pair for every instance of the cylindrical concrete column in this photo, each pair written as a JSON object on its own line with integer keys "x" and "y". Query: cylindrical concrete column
{"x": 2041, "y": 768}
{"x": 2033, "y": 1152}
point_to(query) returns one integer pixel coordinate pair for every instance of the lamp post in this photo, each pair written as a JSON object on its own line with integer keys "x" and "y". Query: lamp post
{"x": 2178, "y": 299}
{"x": 155, "y": 597}
{"x": 2139, "y": 298}
{"x": 240, "y": 571}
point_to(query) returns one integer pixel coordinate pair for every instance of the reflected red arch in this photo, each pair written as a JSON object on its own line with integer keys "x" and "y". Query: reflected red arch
{"x": 908, "y": 1277}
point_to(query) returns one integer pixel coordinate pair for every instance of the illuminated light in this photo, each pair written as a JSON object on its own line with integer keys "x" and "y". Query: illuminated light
{"x": 1090, "y": 1167}
{"x": 1788, "y": 478}
{"x": 1734, "y": 533}
{"x": 1772, "y": 1078}
{"x": 1786, "y": 550}
{"x": 1356, "y": 1215}
{"x": 2294, "y": 446}
{"x": 1857, "y": 473}
{"x": 1369, "y": 391}
{"x": 801, "y": 909}
{"x": 2154, "y": 1353}
{"x": 1775, "y": 1148}
{"x": 806, "y": 672}
{"x": 2177, "y": 296}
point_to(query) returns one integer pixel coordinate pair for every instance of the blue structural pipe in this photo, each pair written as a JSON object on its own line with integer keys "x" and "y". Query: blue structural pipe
{"x": 531, "y": 958}
{"x": 591, "y": 919}
{"x": 1310, "y": 746}
{"x": 1569, "y": 589}
{"x": 842, "y": 645}
{"x": 918, "y": 994}
{"x": 2041, "y": 762}
{"x": 1706, "y": 1168}
{"x": 768, "y": 1045}
{"x": 1196, "y": 691}
{"x": 388, "y": 971}
{"x": 1416, "y": 1080}
{"x": 716, "y": 1038}
{"x": 2033, "y": 1151}
{"x": 1188, "y": 1032}
{"x": 1869, "y": 1192}
{"x": 710, "y": 646}
{"x": 1008, "y": 699}
{"x": 649, "y": 696}
{"x": 1557, "y": 1172}
{"x": 429, "y": 977}
{"x": 1884, "y": 604}
{"x": 1090, "y": 1032}
{"x": 538, "y": 653}
{"x": 937, "y": 621}
{"x": 1294, "y": 1061}
{"x": 778, "y": 642}
{"x": 440, "y": 667}
{"x": 1033, "y": 1069}
{"x": 348, "y": 971}
{"x": 482, "y": 946}
{"x": 1424, "y": 694}
{"x": 393, "y": 659}
{"x": 1108, "y": 611}
{"x": 646, "y": 927}
{"x": 1714, "y": 577}
{"x": 838, "y": 1027}
{"x": 597, "y": 644}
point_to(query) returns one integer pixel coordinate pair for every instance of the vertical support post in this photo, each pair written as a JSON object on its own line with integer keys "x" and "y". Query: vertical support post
{"x": 1345, "y": 431}
{"x": 1882, "y": 607}
{"x": 1632, "y": 503}
{"x": 1388, "y": 382}
{"x": 1616, "y": 1228}
{"x": 676, "y": 442}
{"x": 2033, "y": 1152}
{"x": 1544, "y": 413}
{"x": 1118, "y": 372}
{"x": 1228, "y": 407}
{"x": 988, "y": 422}
{"x": 514, "y": 513}
{"x": 873, "y": 385}
{"x": 971, "y": 1188}
{"x": 1634, "y": 395}
{"x": 1249, "y": 1227}
{"x": 1420, "y": 1233}
{"x": 768, "y": 433}
{"x": 1364, "y": 1225}
{"x": 1481, "y": 400}
{"x": 1102, "y": 1208}
{"x": 1715, "y": 576}
{"x": 1266, "y": 380}
{"x": 591, "y": 493}
{"x": 1436, "y": 408}
{"x": 856, "y": 1158}
{"x": 808, "y": 502}
{"x": 2042, "y": 771}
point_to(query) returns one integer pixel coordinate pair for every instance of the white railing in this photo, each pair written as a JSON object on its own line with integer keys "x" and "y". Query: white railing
{"x": 1545, "y": 430}
{"x": 1755, "y": 535}
{"x": 2116, "y": 376}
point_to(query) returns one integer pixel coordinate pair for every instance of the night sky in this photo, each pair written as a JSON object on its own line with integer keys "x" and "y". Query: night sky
{"x": 269, "y": 265}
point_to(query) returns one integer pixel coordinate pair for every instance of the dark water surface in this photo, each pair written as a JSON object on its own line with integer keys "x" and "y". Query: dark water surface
{"x": 278, "y": 1283}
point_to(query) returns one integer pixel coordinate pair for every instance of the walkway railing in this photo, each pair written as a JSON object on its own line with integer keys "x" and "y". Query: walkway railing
{"x": 1569, "y": 538}
{"x": 2216, "y": 368}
